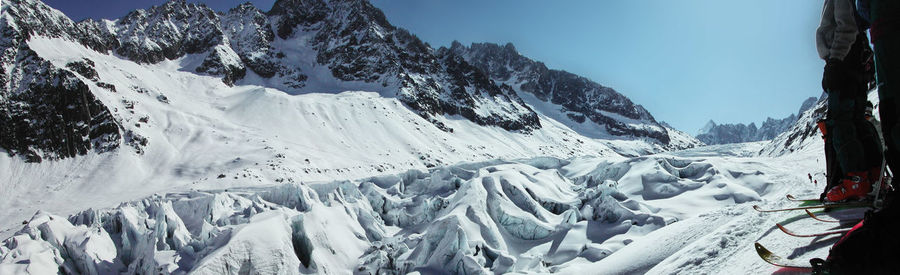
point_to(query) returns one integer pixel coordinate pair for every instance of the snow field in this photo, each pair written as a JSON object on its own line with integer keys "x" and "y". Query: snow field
{"x": 540, "y": 215}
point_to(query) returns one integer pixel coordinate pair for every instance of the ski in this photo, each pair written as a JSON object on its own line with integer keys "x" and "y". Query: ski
{"x": 776, "y": 260}
{"x": 792, "y": 198}
{"x": 815, "y": 217}
{"x": 810, "y": 213}
{"x": 821, "y": 206}
{"x": 820, "y": 234}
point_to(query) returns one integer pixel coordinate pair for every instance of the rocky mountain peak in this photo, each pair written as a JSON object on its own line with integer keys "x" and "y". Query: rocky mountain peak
{"x": 809, "y": 103}
{"x": 245, "y": 8}
{"x": 510, "y": 47}
{"x": 168, "y": 31}
{"x": 707, "y": 128}
{"x": 294, "y": 13}
{"x": 31, "y": 17}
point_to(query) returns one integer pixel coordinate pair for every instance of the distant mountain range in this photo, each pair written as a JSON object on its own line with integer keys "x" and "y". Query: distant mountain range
{"x": 714, "y": 133}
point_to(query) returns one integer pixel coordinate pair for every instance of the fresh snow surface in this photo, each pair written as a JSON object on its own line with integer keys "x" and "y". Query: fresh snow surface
{"x": 245, "y": 179}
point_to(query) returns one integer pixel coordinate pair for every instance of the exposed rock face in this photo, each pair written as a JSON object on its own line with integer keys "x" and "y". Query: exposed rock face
{"x": 583, "y": 98}
{"x": 714, "y": 133}
{"x": 249, "y": 31}
{"x": 223, "y": 61}
{"x": 45, "y": 111}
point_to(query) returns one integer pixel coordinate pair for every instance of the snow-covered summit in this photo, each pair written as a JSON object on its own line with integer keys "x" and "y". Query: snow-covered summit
{"x": 710, "y": 125}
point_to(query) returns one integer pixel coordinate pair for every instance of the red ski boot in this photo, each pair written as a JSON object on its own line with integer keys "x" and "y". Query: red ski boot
{"x": 855, "y": 186}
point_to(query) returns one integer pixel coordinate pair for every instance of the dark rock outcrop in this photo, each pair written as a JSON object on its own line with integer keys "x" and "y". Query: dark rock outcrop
{"x": 48, "y": 112}
{"x": 51, "y": 113}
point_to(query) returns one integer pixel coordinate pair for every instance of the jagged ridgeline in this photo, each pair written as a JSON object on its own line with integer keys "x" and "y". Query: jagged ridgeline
{"x": 714, "y": 133}
{"x": 48, "y": 112}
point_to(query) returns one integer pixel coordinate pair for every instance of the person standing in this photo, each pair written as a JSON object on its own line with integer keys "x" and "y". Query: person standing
{"x": 884, "y": 16}
{"x": 841, "y": 41}
{"x": 873, "y": 244}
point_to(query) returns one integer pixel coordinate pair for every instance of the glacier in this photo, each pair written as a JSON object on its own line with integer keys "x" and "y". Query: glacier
{"x": 529, "y": 215}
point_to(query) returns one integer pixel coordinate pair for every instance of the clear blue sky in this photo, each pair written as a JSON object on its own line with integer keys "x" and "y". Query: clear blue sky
{"x": 686, "y": 61}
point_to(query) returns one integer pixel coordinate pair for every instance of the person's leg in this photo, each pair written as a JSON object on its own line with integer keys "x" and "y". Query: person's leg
{"x": 868, "y": 135}
{"x": 845, "y": 111}
{"x": 849, "y": 149}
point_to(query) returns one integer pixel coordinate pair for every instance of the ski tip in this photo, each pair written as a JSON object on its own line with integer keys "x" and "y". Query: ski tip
{"x": 810, "y": 213}
{"x": 791, "y": 197}
{"x": 757, "y": 208}
{"x": 786, "y": 231}
{"x": 762, "y": 250}
{"x": 776, "y": 260}
{"x": 783, "y": 228}
{"x": 816, "y": 217}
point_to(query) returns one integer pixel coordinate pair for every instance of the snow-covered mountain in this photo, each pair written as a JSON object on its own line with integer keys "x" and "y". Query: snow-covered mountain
{"x": 713, "y": 133}
{"x": 298, "y": 47}
{"x": 572, "y": 99}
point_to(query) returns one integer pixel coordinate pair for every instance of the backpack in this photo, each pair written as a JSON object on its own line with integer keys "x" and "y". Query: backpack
{"x": 869, "y": 248}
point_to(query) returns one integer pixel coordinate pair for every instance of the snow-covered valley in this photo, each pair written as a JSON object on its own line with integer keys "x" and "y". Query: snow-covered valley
{"x": 200, "y": 161}
{"x": 248, "y": 178}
